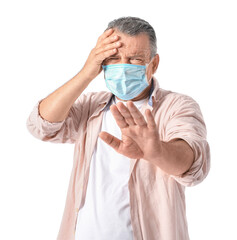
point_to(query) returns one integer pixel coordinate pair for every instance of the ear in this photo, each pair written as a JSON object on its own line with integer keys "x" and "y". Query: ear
{"x": 155, "y": 63}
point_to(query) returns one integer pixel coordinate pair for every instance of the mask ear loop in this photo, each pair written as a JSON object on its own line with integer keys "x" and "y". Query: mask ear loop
{"x": 147, "y": 64}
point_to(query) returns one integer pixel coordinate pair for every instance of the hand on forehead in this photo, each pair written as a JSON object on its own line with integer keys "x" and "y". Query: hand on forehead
{"x": 133, "y": 46}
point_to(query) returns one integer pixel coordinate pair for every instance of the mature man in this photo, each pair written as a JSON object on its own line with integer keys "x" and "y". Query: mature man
{"x": 136, "y": 147}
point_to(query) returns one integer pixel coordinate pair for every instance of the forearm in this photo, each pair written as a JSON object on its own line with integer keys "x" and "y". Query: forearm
{"x": 55, "y": 107}
{"x": 174, "y": 157}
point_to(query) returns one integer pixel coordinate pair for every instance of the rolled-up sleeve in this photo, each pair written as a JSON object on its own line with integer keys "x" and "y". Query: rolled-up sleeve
{"x": 56, "y": 132}
{"x": 186, "y": 122}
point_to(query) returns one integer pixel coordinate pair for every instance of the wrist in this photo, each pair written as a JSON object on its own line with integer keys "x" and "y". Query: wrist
{"x": 89, "y": 72}
{"x": 157, "y": 155}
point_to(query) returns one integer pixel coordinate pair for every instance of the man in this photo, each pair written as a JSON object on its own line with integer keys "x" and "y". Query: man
{"x": 136, "y": 147}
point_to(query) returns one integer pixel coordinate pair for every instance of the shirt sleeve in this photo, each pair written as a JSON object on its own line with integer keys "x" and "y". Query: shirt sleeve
{"x": 56, "y": 132}
{"x": 186, "y": 122}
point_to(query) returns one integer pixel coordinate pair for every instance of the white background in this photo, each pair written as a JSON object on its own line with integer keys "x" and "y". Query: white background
{"x": 43, "y": 44}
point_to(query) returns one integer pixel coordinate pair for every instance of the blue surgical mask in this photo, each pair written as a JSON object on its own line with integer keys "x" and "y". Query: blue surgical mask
{"x": 126, "y": 81}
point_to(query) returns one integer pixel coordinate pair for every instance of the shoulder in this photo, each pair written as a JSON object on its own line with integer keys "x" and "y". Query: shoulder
{"x": 170, "y": 98}
{"x": 90, "y": 102}
{"x": 173, "y": 104}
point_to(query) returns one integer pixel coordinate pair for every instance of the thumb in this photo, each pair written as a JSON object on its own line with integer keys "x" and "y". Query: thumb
{"x": 111, "y": 140}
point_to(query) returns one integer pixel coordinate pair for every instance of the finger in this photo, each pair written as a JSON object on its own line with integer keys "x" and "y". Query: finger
{"x": 108, "y": 40}
{"x": 110, "y": 140}
{"x": 102, "y": 56}
{"x": 126, "y": 114}
{"x": 105, "y": 34}
{"x": 136, "y": 114}
{"x": 151, "y": 124}
{"x": 108, "y": 47}
{"x": 118, "y": 117}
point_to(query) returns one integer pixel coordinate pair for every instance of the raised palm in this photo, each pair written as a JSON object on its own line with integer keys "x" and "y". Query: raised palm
{"x": 140, "y": 138}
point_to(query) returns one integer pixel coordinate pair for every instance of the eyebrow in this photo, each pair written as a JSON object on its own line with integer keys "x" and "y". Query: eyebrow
{"x": 131, "y": 56}
{"x": 139, "y": 55}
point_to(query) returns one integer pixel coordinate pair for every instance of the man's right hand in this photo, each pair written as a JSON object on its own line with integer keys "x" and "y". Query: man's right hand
{"x": 55, "y": 107}
{"x": 106, "y": 46}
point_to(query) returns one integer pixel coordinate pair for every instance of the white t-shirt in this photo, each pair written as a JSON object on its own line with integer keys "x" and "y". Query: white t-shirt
{"x": 106, "y": 212}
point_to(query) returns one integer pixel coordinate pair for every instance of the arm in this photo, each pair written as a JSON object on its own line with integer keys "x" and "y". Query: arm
{"x": 174, "y": 157}
{"x": 183, "y": 153}
{"x": 56, "y": 118}
{"x": 186, "y": 122}
{"x": 56, "y": 106}
{"x": 140, "y": 139}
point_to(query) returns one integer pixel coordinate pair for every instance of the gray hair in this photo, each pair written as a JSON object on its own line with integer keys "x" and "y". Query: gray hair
{"x": 133, "y": 26}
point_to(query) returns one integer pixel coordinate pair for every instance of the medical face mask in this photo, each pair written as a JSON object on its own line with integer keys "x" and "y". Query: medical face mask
{"x": 126, "y": 81}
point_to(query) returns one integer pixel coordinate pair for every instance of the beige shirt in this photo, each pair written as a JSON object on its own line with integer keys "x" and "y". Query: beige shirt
{"x": 157, "y": 200}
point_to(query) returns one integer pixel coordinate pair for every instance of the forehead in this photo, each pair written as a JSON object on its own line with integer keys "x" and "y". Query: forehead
{"x": 133, "y": 45}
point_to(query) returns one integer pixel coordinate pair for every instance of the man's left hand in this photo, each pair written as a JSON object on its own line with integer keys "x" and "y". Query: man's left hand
{"x": 140, "y": 138}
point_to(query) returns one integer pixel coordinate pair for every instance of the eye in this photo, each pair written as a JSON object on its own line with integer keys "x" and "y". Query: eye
{"x": 112, "y": 60}
{"x": 137, "y": 60}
